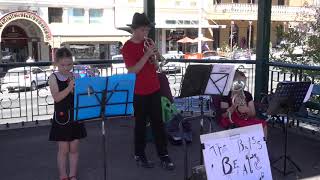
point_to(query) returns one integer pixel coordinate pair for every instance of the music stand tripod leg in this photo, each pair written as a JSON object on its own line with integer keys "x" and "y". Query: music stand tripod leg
{"x": 285, "y": 157}
{"x": 286, "y": 143}
{"x": 201, "y": 127}
{"x": 185, "y": 150}
{"x": 202, "y": 118}
{"x": 103, "y": 119}
{"x": 286, "y": 150}
{"x": 104, "y": 148}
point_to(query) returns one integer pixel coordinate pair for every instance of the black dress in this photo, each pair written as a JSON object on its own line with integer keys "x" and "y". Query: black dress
{"x": 64, "y": 128}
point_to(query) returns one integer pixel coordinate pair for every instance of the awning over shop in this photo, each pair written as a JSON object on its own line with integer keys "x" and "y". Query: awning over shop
{"x": 88, "y": 39}
{"x": 78, "y": 33}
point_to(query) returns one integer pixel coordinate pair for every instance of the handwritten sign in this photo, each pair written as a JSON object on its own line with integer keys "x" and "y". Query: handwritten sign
{"x": 237, "y": 154}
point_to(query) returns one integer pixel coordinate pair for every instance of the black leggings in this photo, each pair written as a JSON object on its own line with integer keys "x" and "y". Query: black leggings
{"x": 149, "y": 107}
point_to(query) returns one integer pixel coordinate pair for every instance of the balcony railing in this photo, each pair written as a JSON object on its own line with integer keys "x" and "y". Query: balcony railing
{"x": 28, "y": 98}
{"x": 279, "y": 13}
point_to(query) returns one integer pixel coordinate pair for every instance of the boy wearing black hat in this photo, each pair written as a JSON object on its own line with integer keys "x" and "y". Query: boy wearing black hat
{"x": 147, "y": 100}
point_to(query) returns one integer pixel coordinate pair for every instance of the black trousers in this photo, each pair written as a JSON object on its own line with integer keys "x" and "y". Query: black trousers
{"x": 149, "y": 107}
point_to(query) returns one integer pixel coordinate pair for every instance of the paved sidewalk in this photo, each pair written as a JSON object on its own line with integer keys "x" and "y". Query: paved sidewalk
{"x": 26, "y": 154}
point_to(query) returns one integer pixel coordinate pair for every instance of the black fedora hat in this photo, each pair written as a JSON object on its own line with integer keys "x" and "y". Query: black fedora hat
{"x": 139, "y": 20}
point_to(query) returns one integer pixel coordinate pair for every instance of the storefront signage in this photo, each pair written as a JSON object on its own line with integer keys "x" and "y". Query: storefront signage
{"x": 7, "y": 18}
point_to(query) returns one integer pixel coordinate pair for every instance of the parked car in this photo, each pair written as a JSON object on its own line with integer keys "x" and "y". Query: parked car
{"x": 173, "y": 55}
{"x": 7, "y": 57}
{"x": 171, "y": 68}
{"x": 241, "y": 55}
{"x": 24, "y": 77}
{"x": 212, "y": 55}
{"x": 117, "y": 65}
{"x": 86, "y": 71}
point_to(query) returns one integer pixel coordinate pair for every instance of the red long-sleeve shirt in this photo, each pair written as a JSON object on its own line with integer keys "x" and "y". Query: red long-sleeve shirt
{"x": 147, "y": 81}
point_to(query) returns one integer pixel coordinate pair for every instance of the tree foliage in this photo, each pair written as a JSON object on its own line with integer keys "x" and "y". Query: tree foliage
{"x": 300, "y": 44}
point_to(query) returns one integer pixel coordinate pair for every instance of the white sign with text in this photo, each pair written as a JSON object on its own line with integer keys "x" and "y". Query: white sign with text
{"x": 236, "y": 154}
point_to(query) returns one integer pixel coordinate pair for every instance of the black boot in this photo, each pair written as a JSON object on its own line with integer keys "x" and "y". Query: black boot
{"x": 166, "y": 163}
{"x": 143, "y": 162}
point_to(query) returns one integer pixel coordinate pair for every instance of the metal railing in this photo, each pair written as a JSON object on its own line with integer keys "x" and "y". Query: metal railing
{"x": 31, "y": 100}
{"x": 279, "y": 72}
{"x": 253, "y": 8}
{"x": 290, "y": 13}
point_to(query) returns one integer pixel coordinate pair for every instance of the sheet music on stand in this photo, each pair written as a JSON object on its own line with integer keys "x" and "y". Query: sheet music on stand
{"x": 207, "y": 80}
{"x": 101, "y": 98}
{"x": 220, "y": 80}
{"x": 89, "y": 92}
{"x": 308, "y": 93}
{"x": 289, "y": 97}
{"x": 195, "y": 80}
{"x": 200, "y": 80}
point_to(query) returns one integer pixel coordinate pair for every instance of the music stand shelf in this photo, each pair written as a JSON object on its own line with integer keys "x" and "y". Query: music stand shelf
{"x": 100, "y": 98}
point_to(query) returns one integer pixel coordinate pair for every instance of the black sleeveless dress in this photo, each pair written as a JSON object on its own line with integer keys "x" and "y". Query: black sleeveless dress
{"x": 64, "y": 128}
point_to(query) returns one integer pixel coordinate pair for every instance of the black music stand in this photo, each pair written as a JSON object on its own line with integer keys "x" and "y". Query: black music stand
{"x": 200, "y": 80}
{"x": 287, "y": 100}
{"x": 100, "y": 98}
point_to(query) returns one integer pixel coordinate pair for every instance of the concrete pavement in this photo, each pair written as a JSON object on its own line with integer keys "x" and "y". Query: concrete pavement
{"x": 27, "y": 154}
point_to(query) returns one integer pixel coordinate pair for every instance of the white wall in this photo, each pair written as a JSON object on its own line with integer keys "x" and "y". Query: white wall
{"x": 43, "y": 13}
{"x": 65, "y": 16}
{"x": 108, "y": 17}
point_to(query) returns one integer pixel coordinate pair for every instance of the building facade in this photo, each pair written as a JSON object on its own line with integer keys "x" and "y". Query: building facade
{"x": 92, "y": 29}
{"x": 226, "y": 22}
{"x": 35, "y": 30}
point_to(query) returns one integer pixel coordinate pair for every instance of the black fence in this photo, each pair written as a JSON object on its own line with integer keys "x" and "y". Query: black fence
{"x": 25, "y": 95}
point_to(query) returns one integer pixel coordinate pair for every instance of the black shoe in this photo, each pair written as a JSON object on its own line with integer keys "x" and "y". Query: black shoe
{"x": 143, "y": 162}
{"x": 166, "y": 163}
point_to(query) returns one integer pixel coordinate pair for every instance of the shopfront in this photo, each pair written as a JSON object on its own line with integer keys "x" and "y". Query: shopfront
{"x": 24, "y": 35}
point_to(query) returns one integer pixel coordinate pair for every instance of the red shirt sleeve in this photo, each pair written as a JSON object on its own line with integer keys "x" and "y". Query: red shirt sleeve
{"x": 128, "y": 56}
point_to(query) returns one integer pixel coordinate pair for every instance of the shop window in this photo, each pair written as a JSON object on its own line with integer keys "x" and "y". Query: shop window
{"x": 55, "y": 15}
{"x": 170, "y": 21}
{"x": 77, "y": 15}
{"x": 95, "y": 16}
{"x": 280, "y": 2}
{"x": 85, "y": 51}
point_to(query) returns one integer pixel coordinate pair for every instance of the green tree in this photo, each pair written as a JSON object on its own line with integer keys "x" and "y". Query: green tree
{"x": 300, "y": 44}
